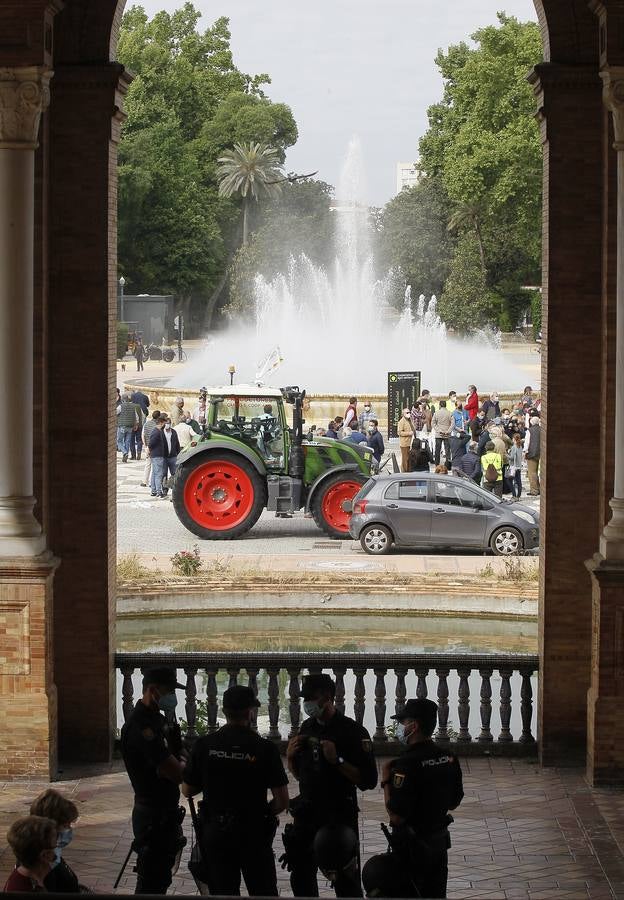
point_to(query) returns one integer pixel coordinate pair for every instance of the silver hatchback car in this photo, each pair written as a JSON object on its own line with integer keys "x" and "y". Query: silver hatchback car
{"x": 428, "y": 510}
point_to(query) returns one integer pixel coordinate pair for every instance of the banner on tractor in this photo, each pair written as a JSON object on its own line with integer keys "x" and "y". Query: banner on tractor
{"x": 403, "y": 389}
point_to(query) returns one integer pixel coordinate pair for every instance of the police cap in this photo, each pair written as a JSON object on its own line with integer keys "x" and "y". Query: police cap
{"x": 164, "y": 676}
{"x": 238, "y": 697}
{"x": 318, "y": 683}
{"x": 423, "y": 711}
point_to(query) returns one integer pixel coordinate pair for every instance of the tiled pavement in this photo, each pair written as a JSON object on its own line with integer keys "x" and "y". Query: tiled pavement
{"x": 521, "y": 832}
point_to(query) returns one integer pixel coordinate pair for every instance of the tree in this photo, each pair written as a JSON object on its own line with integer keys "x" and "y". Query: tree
{"x": 414, "y": 236}
{"x": 298, "y": 221}
{"x": 251, "y": 171}
{"x": 483, "y": 144}
{"x": 176, "y": 233}
{"x": 466, "y": 303}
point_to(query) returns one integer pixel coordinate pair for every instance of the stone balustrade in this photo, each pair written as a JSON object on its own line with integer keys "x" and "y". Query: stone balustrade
{"x": 485, "y": 702}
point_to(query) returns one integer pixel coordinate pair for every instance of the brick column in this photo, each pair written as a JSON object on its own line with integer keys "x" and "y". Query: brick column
{"x": 570, "y": 111}
{"x": 84, "y": 125}
{"x": 605, "y": 722}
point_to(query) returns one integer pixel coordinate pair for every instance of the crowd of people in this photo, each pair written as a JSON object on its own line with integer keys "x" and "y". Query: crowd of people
{"x": 160, "y": 434}
{"x": 474, "y": 437}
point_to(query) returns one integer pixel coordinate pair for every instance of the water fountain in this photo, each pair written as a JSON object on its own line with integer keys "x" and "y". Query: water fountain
{"x": 337, "y": 331}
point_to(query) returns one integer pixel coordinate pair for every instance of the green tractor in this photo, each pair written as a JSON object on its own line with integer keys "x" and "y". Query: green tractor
{"x": 248, "y": 460}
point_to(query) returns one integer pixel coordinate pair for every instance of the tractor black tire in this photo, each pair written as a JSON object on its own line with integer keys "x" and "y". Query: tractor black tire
{"x": 212, "y": 487}
{"x": 322, "y": 499}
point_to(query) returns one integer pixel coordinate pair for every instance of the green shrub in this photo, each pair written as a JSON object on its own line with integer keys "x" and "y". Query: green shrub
{"x": 122, "y": 339}
{"x": 186, "y": 562}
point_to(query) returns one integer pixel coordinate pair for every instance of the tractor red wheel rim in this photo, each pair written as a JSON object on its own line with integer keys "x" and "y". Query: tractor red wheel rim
{"x": 218, "y": 495}
{"x": 333, "y": 513}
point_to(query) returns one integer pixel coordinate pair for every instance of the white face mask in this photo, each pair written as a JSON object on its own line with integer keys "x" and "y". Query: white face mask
{"x": 312, "y": 709}
{"x": 406, "y": 413}
{"x": 400, "y": 733}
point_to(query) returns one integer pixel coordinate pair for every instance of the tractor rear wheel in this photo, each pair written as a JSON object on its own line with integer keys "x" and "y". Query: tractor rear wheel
{"x": 219, "y": 496}
{"x": 326, "y": 506}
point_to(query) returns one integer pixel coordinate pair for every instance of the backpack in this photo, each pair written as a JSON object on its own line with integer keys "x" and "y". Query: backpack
{"x": 491, "y": 473}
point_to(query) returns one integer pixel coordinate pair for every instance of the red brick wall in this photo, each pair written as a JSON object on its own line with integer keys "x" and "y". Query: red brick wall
{"x": 571, "y": 106}
{"x": 81, "y": 388}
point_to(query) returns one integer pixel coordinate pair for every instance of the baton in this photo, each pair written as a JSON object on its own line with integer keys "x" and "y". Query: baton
{"x": 123, "y": 868}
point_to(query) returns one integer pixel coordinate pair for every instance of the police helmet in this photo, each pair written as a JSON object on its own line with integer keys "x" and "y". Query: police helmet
{"x": 335, "y": 849}
{"x": 384, "y": 876}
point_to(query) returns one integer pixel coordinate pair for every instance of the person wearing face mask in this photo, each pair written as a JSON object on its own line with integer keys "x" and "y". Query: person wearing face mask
{"x": 61, "y": 879}
{"x": 33, "y": 841}
{"x": 405, "y": 430}
{"x": 153, "y": 757}
{"x": 420, "y": 787}
{"x": 164, "y": 446}
{"x": 366, "y": 416}
{"x": 374, "y": 439}
{"x": 234, "y": 768}
{"x": 331, "y": 757}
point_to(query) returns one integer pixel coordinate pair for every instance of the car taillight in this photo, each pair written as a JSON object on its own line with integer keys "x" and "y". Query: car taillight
{"x": 359, "y": 508}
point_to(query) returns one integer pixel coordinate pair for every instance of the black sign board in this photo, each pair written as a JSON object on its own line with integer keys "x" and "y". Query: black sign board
{"x": 403, "y": 389}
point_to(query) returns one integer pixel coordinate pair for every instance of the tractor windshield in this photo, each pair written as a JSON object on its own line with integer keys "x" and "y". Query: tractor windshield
{"x": 254, "y": 420}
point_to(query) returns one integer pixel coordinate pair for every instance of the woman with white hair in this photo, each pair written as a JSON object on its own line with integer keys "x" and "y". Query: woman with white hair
{"x": 177, "y": 413}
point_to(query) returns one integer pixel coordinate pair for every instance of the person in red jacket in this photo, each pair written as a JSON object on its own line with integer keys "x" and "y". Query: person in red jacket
{"x": 472, "y": 402}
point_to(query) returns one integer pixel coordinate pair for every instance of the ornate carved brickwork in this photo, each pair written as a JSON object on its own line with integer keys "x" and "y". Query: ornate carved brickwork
{"x": 24, "y": 95}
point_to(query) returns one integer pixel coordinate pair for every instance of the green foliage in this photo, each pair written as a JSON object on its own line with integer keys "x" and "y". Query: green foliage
{"x": 483, "y": 145}
{"x": 298, "y": 221}
{"x": 466, "y": 302}
{"x": 414, "y": 236}
{"x": 536, "y": 311}
{"x": 187, "y": 562}
{"x": 176, "y": 233}
{"x": 122, "y": 339}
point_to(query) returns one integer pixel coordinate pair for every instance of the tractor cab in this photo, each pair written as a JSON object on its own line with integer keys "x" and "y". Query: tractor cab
{"x": 254, "y": 416}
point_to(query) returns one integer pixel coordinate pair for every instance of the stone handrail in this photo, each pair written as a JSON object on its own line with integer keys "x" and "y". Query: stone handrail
{"x": 514, "y": 671}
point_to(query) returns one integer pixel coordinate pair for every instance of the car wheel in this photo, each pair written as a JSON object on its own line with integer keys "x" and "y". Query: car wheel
{"x": 506, "y": 541}
{"x": 376, "y": 539}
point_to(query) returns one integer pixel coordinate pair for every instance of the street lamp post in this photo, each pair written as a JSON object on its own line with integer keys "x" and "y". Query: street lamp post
{"x": 122, "y": 282}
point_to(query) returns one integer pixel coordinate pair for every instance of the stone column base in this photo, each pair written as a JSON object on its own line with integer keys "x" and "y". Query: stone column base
{"x": 28, "y": 711}
{"x": 605, "y": 698}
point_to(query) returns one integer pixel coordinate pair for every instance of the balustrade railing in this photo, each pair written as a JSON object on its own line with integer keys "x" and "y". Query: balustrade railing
{"x": 485, "y": 703}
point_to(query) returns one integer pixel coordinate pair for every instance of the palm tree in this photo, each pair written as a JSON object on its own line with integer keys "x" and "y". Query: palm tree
{"x": 470, "y": 215}
{"x": 251, "y": 170}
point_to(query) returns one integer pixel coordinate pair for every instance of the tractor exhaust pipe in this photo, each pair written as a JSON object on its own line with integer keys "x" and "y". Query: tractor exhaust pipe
{"x": 296, "y": 459}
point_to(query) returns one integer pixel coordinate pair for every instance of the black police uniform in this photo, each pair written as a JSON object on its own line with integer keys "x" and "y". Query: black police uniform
{"x": 234, "y": 767}
{"x": 425, "y": 782}
{"x": 327, "y": 797}
{"x": 156, "y": 815}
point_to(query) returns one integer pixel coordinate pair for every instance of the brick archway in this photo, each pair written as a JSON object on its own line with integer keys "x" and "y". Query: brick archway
{"x": 75, "y": 290}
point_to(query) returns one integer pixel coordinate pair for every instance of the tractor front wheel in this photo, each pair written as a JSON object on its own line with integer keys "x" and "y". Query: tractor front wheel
{"x": 327, "y": 503}
{"x": 219, "y": 496}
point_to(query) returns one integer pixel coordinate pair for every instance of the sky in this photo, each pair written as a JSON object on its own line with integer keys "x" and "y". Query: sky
{"x": 351, "y": 67}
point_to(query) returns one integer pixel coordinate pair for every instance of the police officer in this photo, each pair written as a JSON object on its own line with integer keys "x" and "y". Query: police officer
{"x": 419, "y": 789}
{"x": 150, "y": 749}
{"x": 234, "y": 768}
{"x": 330, "y": 757}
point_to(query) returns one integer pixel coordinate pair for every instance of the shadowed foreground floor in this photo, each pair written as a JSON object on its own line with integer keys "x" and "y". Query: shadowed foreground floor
{"x": 521, "y": 832}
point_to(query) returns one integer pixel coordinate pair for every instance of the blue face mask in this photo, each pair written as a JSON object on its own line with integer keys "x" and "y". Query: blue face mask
{"x": 400, "y": 733}
{"x": 168, "y": 702}
{"x": 312, "y": 709}
{"x": 65, "y": 837}
{"x": 57, "y": 858}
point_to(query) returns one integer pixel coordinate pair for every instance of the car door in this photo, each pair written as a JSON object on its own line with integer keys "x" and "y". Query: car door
{"x": 457, "y": 515}
{"x": 408, "y": 510}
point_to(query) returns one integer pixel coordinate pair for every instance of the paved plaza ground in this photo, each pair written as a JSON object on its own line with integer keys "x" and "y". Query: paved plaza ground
{"x": 521, "y": 832}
